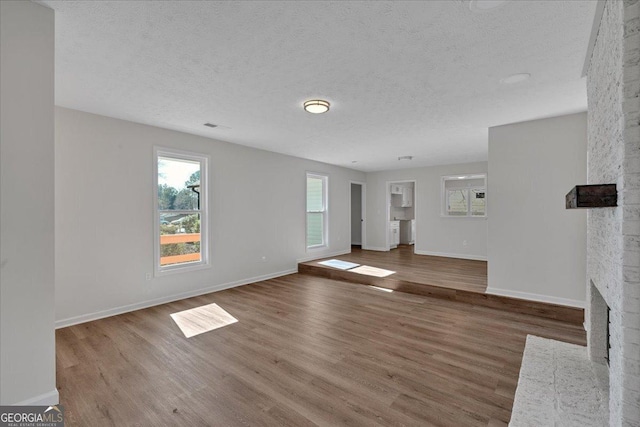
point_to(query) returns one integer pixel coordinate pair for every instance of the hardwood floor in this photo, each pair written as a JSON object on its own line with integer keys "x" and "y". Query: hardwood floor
{"x": 438, "y": 277}
{"x": 450, "y": 273}
{"x": 305, "y": 351}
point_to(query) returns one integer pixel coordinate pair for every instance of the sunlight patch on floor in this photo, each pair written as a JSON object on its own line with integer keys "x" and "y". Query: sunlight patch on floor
{"x": 372, "y": 271}
{"x": 336, "y": 263}
{"x": 377, "y": 288}
{"x": 202, "y": 319}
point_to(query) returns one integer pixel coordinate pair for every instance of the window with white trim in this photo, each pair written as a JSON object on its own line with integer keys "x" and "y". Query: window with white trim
{"x": 464, "y": 195}
{"x": 317, "y": 224}
{"x": 180, "y": 210}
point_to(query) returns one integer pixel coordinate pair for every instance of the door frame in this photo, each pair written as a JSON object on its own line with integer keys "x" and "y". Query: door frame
{"x": 363, "y": 213}
{"x": 388, "y": 208}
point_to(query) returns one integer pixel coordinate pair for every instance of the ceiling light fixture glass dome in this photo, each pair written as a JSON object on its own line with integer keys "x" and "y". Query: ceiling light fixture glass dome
{"x": 316, "y": 106}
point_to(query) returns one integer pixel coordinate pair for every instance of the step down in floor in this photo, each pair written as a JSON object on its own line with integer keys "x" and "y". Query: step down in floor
{"x": 541, "y": 309}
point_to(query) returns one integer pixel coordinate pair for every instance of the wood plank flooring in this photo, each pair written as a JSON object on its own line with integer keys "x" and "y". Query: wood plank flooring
{"x": 305, "y": 351}
{"x": 438, "y": 277}
{"x": 450, "y": 273}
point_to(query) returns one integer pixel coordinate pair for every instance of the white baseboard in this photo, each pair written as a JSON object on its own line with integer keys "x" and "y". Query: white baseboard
{"x": 536, "y": 297}
{"x": 374, "y": 248}
{"x": 49, "y": 398}
{"x": 157, "y": 301}
{"x": 321, "y": 255}
{"x": 446, "y": 255}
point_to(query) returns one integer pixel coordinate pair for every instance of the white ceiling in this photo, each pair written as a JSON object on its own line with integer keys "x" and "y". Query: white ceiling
{"x": 403, "y": 78}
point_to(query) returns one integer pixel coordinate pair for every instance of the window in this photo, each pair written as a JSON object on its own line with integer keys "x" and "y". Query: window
{"x": 181, "y": 210}
{"x": 464, "y": 196}
{"x": 316, "y": 210}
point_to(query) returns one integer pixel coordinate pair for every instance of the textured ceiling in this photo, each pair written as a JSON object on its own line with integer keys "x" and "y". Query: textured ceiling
{"x": 403, "y": 78}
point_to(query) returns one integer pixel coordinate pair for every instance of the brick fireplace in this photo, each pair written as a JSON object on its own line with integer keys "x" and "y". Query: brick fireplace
{"x": 613, "y": 234}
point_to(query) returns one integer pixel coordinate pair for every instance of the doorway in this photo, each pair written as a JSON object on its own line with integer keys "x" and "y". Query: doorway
{"x": 358, "y": 206}
{"x": 401, "y": 202}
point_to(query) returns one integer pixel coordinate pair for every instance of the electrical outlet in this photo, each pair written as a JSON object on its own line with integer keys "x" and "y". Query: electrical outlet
{"x": 465, "y": 243}
{"x": 147, "y": 276}
{"x": 263, "y": 259}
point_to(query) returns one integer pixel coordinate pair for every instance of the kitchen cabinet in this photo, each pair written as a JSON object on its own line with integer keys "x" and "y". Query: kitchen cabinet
{"x": 407, "y": 197}
{"x": 394, "y": 234}
{"x": 396, "y": 189}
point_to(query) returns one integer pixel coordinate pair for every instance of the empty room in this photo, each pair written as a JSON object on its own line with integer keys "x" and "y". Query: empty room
{"x": 266, "y": 213}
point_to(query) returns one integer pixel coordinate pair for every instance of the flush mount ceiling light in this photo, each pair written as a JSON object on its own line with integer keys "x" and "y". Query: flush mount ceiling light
{"x": 405, "y": 157}
{"x": 316, "y": 106}
{"x": 215, "y": 126}
{"x": 482, "y": 5}
{"x": 515, "y": 78}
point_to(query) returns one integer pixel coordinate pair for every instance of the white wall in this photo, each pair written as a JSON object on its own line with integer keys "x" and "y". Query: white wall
{"x": 27, "y": 336}
{"x": 537, "y": 248}
{"x": 436, "y": 235}
{"x": 104, "y": 215}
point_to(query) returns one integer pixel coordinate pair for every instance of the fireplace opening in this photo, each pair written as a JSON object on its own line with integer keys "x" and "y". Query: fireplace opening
{"x": 608, "y": 335}
{"x": 599, "y": 327}
{"x": 599, "y": 337}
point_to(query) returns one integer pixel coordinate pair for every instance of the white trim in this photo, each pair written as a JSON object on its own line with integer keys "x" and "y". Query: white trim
{"x": 444, "y": 193}
{"x": 49, "y": 398}
{"x": 163, "y": 300}
{"x": 463, "y": 217}
{"x": 186, "y": 267}
{"x": 375, "y": 248}
{"x": 595, "y": 29}
{"x": 388, "y": 209}
{"x": 204, "y": 160}
{"x": 316, "y": 247}
{"x": 536, "y": 297}
{"x": 321, "y": 255}
{"x": 324, "y": 211}
{"x": 446, "y": 255}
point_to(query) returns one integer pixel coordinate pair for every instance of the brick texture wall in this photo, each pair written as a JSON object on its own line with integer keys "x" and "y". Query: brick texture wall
{"x": 613, "y": 234}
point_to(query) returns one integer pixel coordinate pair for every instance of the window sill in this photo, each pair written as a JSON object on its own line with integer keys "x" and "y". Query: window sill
{"x": 182, "y": 269}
